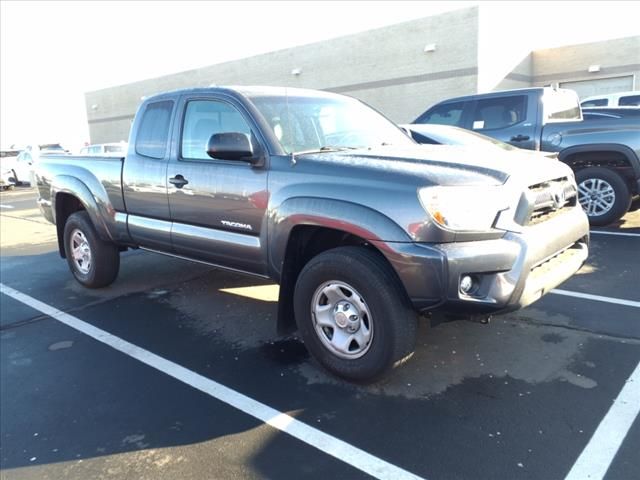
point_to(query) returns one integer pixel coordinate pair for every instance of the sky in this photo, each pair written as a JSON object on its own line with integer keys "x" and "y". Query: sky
{"x": 52, "y": 52}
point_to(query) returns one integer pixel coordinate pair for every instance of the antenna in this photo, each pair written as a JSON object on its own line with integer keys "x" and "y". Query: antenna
{"x": 286, "y": 99}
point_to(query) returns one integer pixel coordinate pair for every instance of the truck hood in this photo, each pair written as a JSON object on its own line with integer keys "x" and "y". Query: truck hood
{"x": 448, "y": 165}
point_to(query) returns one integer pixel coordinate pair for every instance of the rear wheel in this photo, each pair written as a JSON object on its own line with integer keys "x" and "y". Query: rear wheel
{"x": 603, "y": 194}
{"x": 93, "y": 262}
{"x": 353, "y": 315}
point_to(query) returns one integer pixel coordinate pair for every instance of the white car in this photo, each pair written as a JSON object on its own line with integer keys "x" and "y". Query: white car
{"x": 7, "y": 166}
{"x": 621, "y": 99}
{"x": 25, "y": 162}
{"x": 6, "y": 178}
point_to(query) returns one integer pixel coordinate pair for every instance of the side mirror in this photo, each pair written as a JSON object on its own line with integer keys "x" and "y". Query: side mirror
{"x": 231, "y": 146}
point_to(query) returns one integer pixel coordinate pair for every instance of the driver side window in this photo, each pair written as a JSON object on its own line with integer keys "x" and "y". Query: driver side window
{"x": 204, "y": 118}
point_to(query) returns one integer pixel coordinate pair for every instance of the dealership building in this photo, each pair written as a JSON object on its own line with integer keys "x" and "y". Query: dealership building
{"x": 399, "y": 69}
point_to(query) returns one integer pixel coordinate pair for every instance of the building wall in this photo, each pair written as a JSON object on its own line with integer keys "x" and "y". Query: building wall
{"x": 389, "y": 69}
{"x": 386, "y": 68}
{"x": 503, "y": 47}
{"x": 616, "y": 58}
{"x": 520, "y": 77}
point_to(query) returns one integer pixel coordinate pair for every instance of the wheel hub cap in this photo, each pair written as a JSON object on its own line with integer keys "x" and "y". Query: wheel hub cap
{"x": 596, "y": 196}
{"x": 342, "y": 320}
{"x": 347, "y": 317}
{"x": 80, "y": 251}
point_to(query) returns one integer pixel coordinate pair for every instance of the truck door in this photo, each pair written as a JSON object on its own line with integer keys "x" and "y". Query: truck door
{"x": 217, "y": 207}
{"x": 506, "y": 119}
{"x": 144, "y": 176}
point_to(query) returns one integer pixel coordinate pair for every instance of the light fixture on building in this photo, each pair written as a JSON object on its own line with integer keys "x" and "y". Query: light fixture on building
{"x": 593, "y": 68}
{"x": 430, "y": 47}
{"x": 94, "y": 106}
{"x": 296, "y": 71}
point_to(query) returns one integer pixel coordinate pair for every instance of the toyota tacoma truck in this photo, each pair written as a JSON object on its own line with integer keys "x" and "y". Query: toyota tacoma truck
{"x": 604, "y": 152}
{"x": 362, "y": 228}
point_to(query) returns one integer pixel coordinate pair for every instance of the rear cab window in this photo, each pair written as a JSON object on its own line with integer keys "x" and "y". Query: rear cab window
{"x": 153, "y": 132}
{"x": 499, "y": 112}
{"x": 629, "y": 101}
{"x": 596, "y": 102}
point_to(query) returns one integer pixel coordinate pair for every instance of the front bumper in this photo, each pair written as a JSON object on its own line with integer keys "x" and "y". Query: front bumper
{"x": 511, "y": 272}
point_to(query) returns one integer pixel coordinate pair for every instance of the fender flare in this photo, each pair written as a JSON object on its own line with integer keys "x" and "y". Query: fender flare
{"x": 341, "y": 215}
{"x": 604, "y": 147}
{"x": 98, "y": 209}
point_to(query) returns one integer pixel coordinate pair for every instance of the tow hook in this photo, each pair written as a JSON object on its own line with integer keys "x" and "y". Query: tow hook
{"x": 483, "y": 319}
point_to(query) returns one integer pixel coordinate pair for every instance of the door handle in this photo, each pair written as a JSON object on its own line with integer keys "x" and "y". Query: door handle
{"x": 520, "y": 138}
{"x": 179, "y": 181}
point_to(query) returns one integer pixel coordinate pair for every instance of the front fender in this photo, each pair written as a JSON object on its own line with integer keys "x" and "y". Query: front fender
{"x": 340, "y": 215}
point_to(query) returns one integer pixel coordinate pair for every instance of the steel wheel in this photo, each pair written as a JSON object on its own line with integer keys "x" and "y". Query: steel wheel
{"x": 342, "y": 320}
{"x": 81, "y": 252}
{"x": 596, "y": 196}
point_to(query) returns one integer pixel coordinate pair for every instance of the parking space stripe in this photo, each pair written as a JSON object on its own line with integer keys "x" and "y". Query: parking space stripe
{"x": 597, "y": 456}
{"x": 6, "y": 206}
{"x": 597, "y": 298}
{"x": 618, "y": 234}
{"x": 324, "y": 442}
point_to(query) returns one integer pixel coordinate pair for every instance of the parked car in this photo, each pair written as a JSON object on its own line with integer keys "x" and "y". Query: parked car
{"x": 105, "y": 149}
{"x": 620, "y": 99}
{"x": 604, "y": 153}
{"x": 361, "y": 227}
{"x": 8, "y": 176}
{"x": 7, "y": 180}
{"x": 24, "y": 163}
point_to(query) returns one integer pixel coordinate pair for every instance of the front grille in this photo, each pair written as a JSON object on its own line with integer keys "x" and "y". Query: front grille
{"x": 551, "y": 198}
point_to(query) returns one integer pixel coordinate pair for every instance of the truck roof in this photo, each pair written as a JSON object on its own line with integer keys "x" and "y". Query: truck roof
{"x": 246, "y": 90}
{"x": 499, "y": 93}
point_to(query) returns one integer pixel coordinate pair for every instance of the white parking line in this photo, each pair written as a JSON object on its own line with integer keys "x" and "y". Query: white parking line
{"x": 596, "y": 458}
{"x": 618, "y": 234}
{"x": 6, "y": 206}
{"x": 597, "y": 298}
{"x": 324, "y": 442}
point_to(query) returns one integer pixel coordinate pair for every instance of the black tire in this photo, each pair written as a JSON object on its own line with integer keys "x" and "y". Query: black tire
{"x": 104, "y": 264}
{"x": 586, "y": 178}
{"x": 393, "y": 320}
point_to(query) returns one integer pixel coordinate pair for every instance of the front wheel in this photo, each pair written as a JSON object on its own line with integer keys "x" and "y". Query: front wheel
{"x": 353, "y": 315}
{"x": 93, "y": 262}
{"x": 603, "y": 194}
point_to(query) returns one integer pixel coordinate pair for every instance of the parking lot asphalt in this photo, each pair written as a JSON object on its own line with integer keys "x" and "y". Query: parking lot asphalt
{"x": 522, "y": 397}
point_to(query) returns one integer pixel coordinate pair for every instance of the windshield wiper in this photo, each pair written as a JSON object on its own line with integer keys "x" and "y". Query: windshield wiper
{"x": 326, "y": 148}
{"x": 329, "y": 148}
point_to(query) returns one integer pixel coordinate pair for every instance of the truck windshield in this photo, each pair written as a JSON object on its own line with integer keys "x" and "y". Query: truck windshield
{"x": 325, "y": 123}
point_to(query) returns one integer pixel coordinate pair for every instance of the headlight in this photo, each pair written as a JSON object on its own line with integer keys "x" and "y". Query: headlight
{"x": 464, "y": 208}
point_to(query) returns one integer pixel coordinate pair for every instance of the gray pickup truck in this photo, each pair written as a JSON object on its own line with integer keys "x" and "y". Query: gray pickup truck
{"x": 362, "y": 228}
{"x": 604, "y": 152}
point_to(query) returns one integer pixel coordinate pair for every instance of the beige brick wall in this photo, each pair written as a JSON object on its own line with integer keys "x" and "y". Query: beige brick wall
{"x": 386, "y": 67}
{"x": 618, "y": 57}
